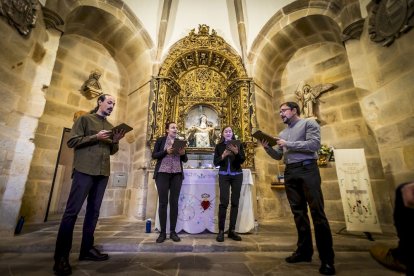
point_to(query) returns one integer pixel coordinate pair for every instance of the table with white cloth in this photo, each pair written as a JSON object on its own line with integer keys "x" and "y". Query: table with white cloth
{"x": 199, "y": 201}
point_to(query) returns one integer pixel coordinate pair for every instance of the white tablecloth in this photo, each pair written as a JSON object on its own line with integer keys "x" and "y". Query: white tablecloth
{"x": 199, "y": 201}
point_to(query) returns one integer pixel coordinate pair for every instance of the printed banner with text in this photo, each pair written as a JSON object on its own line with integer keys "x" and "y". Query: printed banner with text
{"x": 356, "y": 193}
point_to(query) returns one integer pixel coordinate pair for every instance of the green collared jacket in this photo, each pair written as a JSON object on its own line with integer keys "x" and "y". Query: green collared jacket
{"x": 91, "y": 155}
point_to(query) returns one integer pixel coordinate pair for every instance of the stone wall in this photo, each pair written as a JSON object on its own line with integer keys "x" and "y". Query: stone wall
{"x": 342, "y": 123}
{"x": 76, "y": 58}
{"x": 137, "y": 110}
{"x": 25, "y": 70}
{"x": 370, "y": 109}
{"x": 270, "y": 203}
{"x": 384, "y": 78}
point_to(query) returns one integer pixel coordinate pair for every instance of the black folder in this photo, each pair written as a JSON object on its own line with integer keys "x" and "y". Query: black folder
{"x": 126, "y": 128}
{"x": 260, "y": 135}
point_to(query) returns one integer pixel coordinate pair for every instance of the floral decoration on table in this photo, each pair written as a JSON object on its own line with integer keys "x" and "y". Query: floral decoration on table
{"x": 325, "y": 154}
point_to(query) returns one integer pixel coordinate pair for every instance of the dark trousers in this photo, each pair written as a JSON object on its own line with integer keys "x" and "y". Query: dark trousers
{"x": 303, "y": 189}
{"x": 225, "y": 183}
{"x": 83, "y": 185}
{"x": 168, "y": 182}
{"x": 403, "y": 221}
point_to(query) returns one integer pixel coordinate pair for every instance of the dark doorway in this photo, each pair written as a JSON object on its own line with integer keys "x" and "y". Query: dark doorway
{"x": 62, "y": 180}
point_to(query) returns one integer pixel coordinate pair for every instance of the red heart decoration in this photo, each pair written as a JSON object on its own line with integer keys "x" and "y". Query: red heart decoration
{"x": 205, "y": 204}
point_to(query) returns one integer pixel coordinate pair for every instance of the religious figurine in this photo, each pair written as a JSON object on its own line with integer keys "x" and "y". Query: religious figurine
{"x": 202, "y": 135}
{"x": 92, "y": 88}
{"x": 192, "y": 35}
{"x": 203, "y": 29}
{"x": 190, "y": 60}
{"x": 308, "y": 97}
{"x": 203, "y": 58}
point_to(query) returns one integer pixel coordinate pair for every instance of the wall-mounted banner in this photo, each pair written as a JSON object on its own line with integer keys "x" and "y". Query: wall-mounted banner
{"x": 356, "y": 193}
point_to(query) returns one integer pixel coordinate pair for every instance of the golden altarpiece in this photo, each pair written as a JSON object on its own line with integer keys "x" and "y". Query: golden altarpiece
{"x": 202, "y": 86}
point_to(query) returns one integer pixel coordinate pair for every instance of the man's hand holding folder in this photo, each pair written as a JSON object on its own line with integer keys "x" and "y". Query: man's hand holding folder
{"x": 261, "y": 136}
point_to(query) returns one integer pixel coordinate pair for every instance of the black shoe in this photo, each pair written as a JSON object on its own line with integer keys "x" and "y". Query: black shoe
{"x": 297, "y": 258}
{"x": 232, "y": 235}
{"x": 62, "y": 267}
{"x": 93, "y": 255}
{"x": 327, "y": 269}
{"x": 161, "y": 238}
{"x": 220, "y": 236}
{"x": 174, "y": 236}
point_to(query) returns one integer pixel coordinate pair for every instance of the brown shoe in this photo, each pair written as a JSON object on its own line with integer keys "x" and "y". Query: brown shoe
{"x": 383, "y": 254}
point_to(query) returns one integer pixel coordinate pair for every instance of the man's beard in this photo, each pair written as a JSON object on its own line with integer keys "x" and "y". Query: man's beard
{"x": 107, "y": 112}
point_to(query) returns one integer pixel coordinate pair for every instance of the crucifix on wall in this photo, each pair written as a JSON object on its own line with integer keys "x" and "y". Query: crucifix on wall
{"x": 308, "y": 97}
{"x": 358, "y": 206}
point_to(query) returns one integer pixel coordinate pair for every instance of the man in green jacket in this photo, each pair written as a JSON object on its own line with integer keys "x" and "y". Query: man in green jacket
{"x": 93, "y": 143}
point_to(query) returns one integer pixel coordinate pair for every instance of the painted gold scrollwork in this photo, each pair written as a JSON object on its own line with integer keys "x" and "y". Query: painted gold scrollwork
{"x": 203, "y": 70}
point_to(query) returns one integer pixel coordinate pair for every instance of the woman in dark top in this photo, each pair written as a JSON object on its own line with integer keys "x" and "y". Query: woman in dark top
{"x": 168, "y": 175}
{"x": 229, "y": 157}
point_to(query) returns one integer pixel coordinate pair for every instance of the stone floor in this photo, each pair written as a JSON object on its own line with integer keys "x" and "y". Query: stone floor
{"x": 134, "y": 252}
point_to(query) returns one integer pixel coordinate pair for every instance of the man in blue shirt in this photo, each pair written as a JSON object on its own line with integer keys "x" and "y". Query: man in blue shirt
{"x": 298, "y": 144}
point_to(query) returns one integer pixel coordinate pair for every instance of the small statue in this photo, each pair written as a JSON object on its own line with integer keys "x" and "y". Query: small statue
{"x": 203, "y": 29}
{"x": 192, "y": 35}
{"x": 203, "y": 58}
{"x": 92, "y": 88}
{"x": 202, "y": 135}
{"x": 308, "y": 97}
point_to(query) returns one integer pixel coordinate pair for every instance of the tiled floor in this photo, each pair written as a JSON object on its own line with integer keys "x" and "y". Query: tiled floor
{"x": 133, "y": 252}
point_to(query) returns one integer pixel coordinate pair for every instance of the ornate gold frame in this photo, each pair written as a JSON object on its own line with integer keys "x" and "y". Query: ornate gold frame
{"x": 203, "y": 69}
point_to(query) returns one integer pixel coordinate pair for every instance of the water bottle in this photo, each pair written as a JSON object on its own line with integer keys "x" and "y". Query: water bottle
{"x": 148, "y": 226}
{"x": 19, "y": 226}
{"x": 256, "y": 227}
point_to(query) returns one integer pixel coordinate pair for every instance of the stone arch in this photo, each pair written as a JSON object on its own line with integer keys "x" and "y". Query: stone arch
{"x": 282, "y": 45}
{"x": 309, "y": 28}
{"x": 116, "y": 31}
{"x": 345, "y": 14}
{"x": 126, "y": 51}
{"x": 269, "y": 59}
{"x": 117, "y": 8}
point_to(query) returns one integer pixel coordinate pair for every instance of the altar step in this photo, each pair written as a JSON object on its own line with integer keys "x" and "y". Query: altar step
{"x": 121, "y": 235}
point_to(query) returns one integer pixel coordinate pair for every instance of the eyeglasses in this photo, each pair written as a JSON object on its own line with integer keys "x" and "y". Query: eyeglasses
{"x": 283, "y": 110}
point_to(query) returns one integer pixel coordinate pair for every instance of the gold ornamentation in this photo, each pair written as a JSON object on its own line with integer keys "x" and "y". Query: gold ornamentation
{"x": 202, "y": 69}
